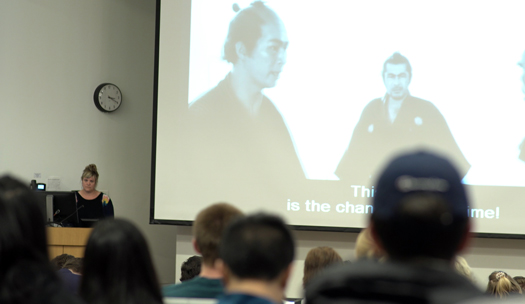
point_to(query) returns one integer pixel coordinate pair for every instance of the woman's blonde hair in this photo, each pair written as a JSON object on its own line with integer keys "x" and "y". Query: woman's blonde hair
{"x": 462, "y": 267}
{"x": 90, "y": 171}
{"x": 317, "y": 259}
{"x": 366, "y": 247}
{"x": 501, "y": 284}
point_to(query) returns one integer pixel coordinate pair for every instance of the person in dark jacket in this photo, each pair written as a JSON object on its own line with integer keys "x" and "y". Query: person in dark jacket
{"x": 421, "y": 222}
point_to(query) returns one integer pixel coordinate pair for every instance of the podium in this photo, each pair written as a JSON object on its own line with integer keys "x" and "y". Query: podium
{"x": 68, "y": 240}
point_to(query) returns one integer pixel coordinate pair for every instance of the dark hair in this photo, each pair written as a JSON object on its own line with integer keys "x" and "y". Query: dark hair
{"x": 190, "y": 268}
{"x": 26, "y": 276}
{"x": 23, "y": 235}
{"x": 245, "y": 27}
{"x": 118, "y": 266}
{"x": 317, "y": 259}
{"x": 258, "y": 246}
{"x": 208, "y": 228}
{"x": 397, "y": 58}
{"x": 74, "y": 264}
{"x": 59, "y": 261}
{"x": 423, "y": 227}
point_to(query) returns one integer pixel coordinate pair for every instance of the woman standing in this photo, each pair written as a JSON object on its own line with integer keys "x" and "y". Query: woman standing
{"x": 96, "y": 205}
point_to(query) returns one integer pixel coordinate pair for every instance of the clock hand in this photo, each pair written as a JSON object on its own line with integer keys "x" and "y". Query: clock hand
{"x": 112, "y": 98}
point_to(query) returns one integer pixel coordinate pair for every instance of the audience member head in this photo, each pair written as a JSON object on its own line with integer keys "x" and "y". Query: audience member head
{"x": 118, "y": 266}
{"x": 208, "y": 228}
{"x": 59, "y": 261}
{"x": 26, "y": 276}
{"x": 257, "y": 249}
{"x": 462, "y": 267}
{"x": 317, "y": 259}
{"x": 246, "y": 28}
{"x": 501, "y": 285}
{"x": 365, "y": 246}
{"x": 190, "y": 268}
{"x": 420, "y": 208}
{"x": 74, "y": 265}
{"x": 521, "y": 281}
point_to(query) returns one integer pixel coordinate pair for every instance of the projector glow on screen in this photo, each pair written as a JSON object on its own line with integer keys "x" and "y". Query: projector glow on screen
{"x": 300, "y": 120}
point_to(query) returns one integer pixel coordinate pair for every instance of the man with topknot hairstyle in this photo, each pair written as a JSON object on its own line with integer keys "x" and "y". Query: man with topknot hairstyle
{"x": 236, "y": 127}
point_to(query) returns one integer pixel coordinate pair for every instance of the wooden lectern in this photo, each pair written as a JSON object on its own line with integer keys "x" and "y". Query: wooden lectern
{"x": 67, "y": 240}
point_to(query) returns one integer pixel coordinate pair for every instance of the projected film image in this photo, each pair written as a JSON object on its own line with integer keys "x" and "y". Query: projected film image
{"x": 295, "y": 107}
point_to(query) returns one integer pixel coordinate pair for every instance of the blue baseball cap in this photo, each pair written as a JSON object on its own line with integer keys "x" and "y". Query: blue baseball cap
{"x": 419, "y": 172}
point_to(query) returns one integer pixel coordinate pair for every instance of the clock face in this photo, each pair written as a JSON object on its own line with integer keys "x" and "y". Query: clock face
{"x": 108, "y": 97}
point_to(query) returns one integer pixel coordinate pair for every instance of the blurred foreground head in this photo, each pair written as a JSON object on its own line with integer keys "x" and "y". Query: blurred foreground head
{"x": 420, "y": 208}
{"x": 22, "y": 233}
{"x": 26, "y": 275}
{"x": 118, "y": 266}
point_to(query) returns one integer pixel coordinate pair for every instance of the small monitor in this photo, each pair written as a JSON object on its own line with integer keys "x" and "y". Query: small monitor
{"x": 64, "y": 207}
{"x": 59, "y": 207}
{"x": 41, "y": 187}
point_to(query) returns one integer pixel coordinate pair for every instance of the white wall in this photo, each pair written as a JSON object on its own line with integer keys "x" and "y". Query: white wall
{"x": 53, "y": 54}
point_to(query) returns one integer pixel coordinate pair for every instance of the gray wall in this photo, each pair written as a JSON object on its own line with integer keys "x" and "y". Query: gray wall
{"x": 53, "y": 54}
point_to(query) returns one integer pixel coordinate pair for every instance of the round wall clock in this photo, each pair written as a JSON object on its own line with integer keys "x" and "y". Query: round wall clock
{"x": 107, "y": 97}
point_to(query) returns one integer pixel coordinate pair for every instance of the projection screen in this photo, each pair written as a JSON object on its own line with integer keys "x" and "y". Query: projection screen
{"x": 300, "y": 120}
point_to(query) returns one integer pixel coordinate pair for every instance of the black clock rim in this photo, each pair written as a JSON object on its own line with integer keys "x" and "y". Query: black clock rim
{"x": 97, "y": 91}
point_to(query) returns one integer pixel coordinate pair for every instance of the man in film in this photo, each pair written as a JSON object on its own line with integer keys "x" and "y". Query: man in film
{"x": 240, "y": 137}
{"x": 396, "y": 122}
